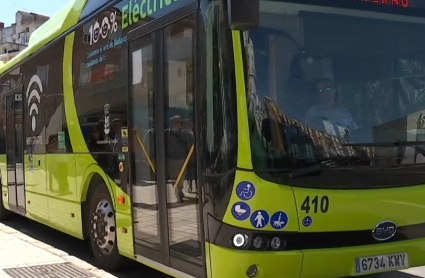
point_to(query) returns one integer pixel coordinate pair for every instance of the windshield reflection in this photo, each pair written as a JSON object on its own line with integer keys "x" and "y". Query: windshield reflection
{"x": 324, "y": 87}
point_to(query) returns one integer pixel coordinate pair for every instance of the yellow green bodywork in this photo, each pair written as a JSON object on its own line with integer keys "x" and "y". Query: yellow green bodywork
{"x": 56, "y": 189}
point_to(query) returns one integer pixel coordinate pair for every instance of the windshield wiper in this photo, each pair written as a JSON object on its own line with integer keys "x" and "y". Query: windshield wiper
{"x": 319, "y": 167}
{"x": 414, "y": 144}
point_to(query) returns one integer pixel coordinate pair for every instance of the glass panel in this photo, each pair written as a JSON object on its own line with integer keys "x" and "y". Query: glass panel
{"x": 336, "y": 105}
{"x": 10, "y": 145}
{"x": 180, "y": 160}
{"x": 143, "y": 151}
{"x": 19, "y": 156}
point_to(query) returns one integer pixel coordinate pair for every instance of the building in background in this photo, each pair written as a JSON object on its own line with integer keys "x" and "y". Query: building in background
{"x": 15, "y": 38}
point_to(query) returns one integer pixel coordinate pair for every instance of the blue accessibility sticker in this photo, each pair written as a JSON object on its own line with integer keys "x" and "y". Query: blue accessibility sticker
{"x": 279, "y": 220}
{"x": 259, "y": 219}
{"x": 307, "y": 221}
{"x": 245, "y": 190}
{"x": 241, "y": 211}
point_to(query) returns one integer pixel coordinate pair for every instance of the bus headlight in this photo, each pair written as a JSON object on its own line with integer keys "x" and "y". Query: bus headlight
{"x": 240, "y": 240}
{"x": 258, "y": 242}
{"x": 275, "y": 243}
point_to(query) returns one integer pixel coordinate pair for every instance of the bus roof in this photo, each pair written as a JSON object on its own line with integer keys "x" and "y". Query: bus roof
{"x": 51, "y": 29}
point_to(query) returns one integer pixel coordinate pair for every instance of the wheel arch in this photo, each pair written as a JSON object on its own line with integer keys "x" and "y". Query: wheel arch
{"x": 93, "y": 176}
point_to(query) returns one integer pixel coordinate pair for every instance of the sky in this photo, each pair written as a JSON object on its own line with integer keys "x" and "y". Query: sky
{"x": 44, "y": 7}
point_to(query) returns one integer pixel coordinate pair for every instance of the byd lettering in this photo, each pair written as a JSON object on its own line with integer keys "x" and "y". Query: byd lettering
{"x": 384, "y": 232}
{"x": 139, "y": 9}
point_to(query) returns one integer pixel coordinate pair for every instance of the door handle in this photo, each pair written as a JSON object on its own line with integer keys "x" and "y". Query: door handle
{"x": 39, "y": 162}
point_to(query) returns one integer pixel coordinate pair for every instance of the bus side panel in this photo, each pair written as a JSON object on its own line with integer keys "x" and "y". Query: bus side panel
{"x": 35, "y": 188}
{"x": 64, "y": 206}
{"x": 125, "y": 239}
{"x": 3, "y": 169}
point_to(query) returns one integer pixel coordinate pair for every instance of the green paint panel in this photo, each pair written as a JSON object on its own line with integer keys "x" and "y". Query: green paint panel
{"x": 244, "y": 144}
{"x": 228, "y": 263}
{"x": 61, "y": 179}
{"x": 37, "y": 208}
{"x": 35, "y": 186}
{"x": 60, "y": 217}
{"x": 3, "y": 172}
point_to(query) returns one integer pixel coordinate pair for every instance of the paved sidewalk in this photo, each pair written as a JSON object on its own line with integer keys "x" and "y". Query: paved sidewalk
{"x": 23, "y": 256}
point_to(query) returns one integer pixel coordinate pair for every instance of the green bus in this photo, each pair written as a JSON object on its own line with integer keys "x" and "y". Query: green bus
{"x": 223, "y": 138}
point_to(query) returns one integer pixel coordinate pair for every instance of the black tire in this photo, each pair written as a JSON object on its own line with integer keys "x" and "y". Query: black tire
{"x": 108, "y": 258}
{"x": 4, "y": 213}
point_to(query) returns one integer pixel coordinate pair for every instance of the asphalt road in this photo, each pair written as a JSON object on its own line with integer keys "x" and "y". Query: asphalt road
{"x": 80, "y": 250}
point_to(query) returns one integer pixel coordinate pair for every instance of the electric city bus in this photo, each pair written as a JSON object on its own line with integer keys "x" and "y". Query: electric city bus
{"x": 224, "y": 138}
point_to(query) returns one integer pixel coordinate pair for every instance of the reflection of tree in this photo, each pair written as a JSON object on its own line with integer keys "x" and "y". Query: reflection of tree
{"x": 399, "y": 91}
{"x": 301, "y": 144}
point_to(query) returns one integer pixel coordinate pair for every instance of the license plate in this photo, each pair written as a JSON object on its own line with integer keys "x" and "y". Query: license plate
{"x": 382, "y": 262}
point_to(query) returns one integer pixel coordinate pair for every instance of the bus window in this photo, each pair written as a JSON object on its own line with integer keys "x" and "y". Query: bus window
{"x": 342, "y": 95}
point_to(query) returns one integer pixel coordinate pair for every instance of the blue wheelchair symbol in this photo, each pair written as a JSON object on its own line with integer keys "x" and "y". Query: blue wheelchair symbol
{"x": 245, "y": 190}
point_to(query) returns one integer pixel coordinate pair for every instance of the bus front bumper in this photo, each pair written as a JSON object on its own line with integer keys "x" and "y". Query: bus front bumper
{"x": 318, "y": 263}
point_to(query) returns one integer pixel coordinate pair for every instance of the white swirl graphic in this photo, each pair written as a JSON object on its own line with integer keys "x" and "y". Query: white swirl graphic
{"x": 35, "y": 92}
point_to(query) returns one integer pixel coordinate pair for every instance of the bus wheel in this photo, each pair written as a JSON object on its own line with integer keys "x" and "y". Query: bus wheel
{"x": 103, "y": 238}
{"x": 4, "y": 213}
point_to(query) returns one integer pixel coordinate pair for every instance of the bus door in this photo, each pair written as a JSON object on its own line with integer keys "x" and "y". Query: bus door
{"x": 166, "y": 210}
{"x": 14, "y": 150}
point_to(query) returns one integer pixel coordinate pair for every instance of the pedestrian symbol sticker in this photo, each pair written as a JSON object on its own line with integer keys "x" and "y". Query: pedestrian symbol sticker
{"x": 245, "y": 190}
{"x": 307, "y": 221}
{"x": 241, "y": 211}
{"x": 279, "y": 220}
{"x": 259, "y": 219}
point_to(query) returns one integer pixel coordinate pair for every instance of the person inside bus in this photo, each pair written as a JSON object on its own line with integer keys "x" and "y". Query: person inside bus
{"x": 115, "y": 134}
{"x": 327, "y": 111}
{"x": 177, "y": 148}
{"x": 97, "y": 147}
{"x": 95, "y": 136}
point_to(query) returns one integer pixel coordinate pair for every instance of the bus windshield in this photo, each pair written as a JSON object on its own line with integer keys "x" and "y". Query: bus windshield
{"x": 336, "y": 94}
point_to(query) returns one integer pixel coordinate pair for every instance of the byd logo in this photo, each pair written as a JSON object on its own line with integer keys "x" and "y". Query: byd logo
{"x": 384, "y": 230}
{"x": 37, "y": 89}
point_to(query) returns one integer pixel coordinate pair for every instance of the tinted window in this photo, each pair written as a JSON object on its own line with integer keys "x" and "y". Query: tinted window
{"x": 219, "y": 113}
{"x": 100, "y": 85}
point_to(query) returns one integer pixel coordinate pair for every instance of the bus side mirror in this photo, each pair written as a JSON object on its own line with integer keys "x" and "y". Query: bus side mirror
{"x": 243, "y": 14}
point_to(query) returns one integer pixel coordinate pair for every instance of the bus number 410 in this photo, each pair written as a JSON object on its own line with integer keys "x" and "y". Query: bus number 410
{"x": 324, "y": 204}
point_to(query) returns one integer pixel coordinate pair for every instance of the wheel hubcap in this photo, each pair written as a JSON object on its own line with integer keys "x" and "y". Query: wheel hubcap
{"x": 103, "y": 227}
